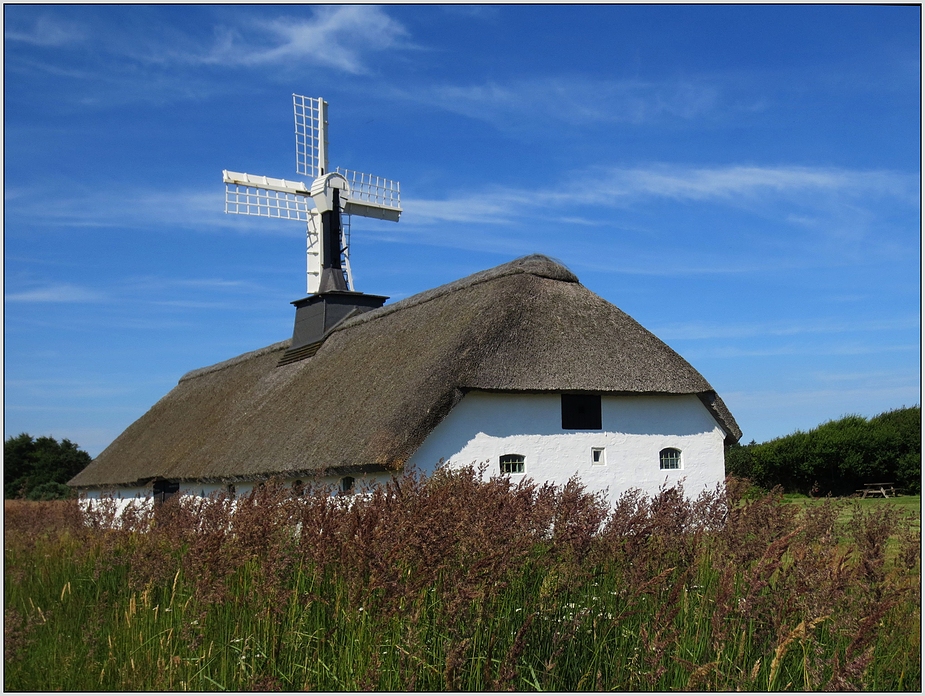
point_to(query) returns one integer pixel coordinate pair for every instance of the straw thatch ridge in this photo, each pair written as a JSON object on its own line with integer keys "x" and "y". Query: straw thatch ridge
{"x": 231, "y": 362}
{"x": 535, "y": 264}
{"x": 382, "y": 381}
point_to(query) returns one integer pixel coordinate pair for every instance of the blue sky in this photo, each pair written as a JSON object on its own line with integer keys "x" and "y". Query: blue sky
{"x": 742, "y": 180}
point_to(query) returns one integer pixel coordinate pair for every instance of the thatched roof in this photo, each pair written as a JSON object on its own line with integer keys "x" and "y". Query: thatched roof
{"x": 383, "y": 380}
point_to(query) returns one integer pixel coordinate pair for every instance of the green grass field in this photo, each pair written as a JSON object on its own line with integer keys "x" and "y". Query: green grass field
{"x": 909, "y": 505}
{"x": 457, "y": 584}
{"x": 908, "y": 509}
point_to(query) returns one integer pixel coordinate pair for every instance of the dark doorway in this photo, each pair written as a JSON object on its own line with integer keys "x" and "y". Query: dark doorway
{"x": 165, "y": 489}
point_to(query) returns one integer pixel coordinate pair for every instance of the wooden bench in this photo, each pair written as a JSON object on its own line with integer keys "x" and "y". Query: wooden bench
{"x": 887, "y": 490}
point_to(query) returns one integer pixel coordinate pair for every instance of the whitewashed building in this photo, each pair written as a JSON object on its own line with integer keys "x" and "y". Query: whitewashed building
{"x": 519, "y": 367}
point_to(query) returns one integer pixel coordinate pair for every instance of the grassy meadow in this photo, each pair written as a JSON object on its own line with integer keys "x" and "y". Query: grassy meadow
{"x": 455, "y": 583}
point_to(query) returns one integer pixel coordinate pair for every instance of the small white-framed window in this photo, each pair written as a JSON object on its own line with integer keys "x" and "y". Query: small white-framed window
{"x": 347, "y": 485}
{"x": 669, "y": 458}
{"x": 512, "y": 463}
{"x": 598, "y": 456}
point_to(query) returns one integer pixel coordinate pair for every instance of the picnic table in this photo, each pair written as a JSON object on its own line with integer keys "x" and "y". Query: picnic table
{"x": 887, "y": 490}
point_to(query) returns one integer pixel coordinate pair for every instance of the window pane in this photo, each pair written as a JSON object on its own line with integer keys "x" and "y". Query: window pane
{"x": 669, "y": 458}
{"x": 512, "y": 464}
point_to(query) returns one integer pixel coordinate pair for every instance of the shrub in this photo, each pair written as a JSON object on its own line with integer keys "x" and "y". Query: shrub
{"x": 50, "y": 490}
{"x": 837, "y": 457}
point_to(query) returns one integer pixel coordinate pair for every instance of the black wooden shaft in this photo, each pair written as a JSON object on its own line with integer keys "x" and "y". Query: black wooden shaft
{"x": 331, "y": 242}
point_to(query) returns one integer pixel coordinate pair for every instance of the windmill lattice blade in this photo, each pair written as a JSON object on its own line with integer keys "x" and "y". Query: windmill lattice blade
{"x": 265, "y": 182}
{"x": 372, "y": 196}
{"x": 253, "y": 200}
{"x": 311, "y": 135}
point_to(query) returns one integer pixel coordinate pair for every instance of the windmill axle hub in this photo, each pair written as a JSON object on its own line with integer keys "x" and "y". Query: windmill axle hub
{"x": 323, "y": 188}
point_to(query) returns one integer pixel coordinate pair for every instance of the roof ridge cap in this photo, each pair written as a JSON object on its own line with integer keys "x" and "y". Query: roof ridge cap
{"x": 534, "y": 264}
{"x": 208, "y": 369}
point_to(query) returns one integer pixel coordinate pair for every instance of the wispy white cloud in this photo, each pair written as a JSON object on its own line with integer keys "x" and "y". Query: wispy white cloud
{"x": 499, "y": 206}
{"x": 764, "y": 414}
{"x": 851, "y": 348}
{"x": 614, "y": 187}
{"x": 710, "y": 331}
{"x": 47, "y": 31}
{"x": 133, "y": 208}
{"x": 61, "y": 292}
{"x": 162, "y": 62}
{"x": 845, "y": 216}
{"x": 605, "y": 186}
{"x": 481, "y": 12}
{"x": 699, "y": 264}
{"x": 340, "y": 37}
{"x": 877, "y": 377}
{"x": 154, "y": 291}
{"x": 843, "y": 206}
{"x": 193, "y": 304}
{"x": 149, "y": 284}
{"x": 69, "y": 388}
{"x": 572, "y": 99}
{"x": 834, "y": 403}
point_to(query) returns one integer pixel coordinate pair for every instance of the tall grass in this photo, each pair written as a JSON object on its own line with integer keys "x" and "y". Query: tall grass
{"x": 455, "y": 583}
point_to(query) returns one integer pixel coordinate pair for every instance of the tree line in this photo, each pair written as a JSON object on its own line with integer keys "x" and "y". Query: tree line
{"x": 837, "y": 457}
{"x": 38, "y": 468}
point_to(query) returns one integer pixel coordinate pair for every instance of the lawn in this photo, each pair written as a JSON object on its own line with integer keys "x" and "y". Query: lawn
{"x": 908, "y": 509}
{"x": 909, "y": 506}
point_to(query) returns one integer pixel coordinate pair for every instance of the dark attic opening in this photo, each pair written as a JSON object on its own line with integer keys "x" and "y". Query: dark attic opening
{"x": 581, "y": 412}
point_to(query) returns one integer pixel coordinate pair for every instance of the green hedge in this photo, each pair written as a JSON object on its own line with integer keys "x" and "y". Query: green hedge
{"x": 838, "y": 457}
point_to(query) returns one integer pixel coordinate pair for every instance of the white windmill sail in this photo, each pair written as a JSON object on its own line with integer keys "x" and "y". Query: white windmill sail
{"x": 372, "y": 196}
{"x": 246, "y": 194}
{"x": 311, "y": 135}
{"x": 360, "y": 194}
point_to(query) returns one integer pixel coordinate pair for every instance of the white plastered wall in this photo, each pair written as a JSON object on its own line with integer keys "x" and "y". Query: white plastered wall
{"x": 136, "y": 495}
{"x": 123, "y": 497}
{"x": 486, "y": 425}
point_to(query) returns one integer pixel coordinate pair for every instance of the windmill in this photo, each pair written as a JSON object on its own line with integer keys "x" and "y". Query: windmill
{"x": 321, "y": 204}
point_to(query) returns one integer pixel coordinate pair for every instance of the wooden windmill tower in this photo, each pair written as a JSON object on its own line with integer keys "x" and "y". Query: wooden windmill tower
{"x": 322, "y": 206}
